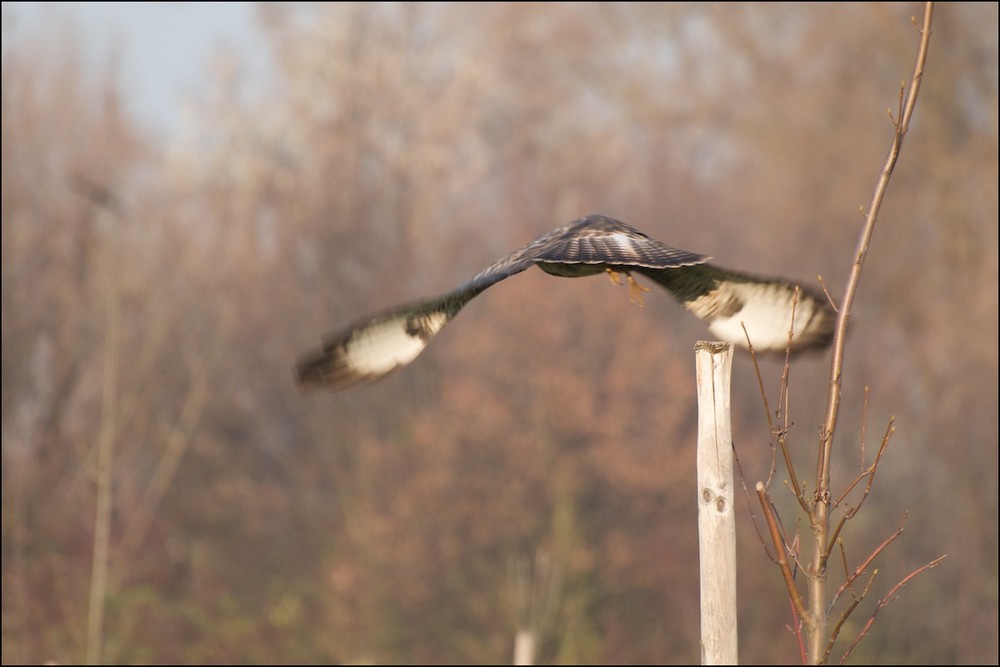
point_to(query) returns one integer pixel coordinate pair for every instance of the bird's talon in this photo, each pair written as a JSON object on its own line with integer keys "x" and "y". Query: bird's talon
{"x": 635, "y": 291}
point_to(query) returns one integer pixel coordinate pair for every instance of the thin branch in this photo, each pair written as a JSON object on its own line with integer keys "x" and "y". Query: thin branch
{"x": 796, "y": 627}
{"x": 793, "y": 479}
{"x": 779, "y": 436}
{"x": 820, "y": 516}
{"x": 864, "y": 428}
{"x": 847, "y": 612}
{"x": 793, "y": 549}
{"x": 829, "y": 298}
{"x": 746, "y": 495}
{"x": 849, "y": 579}
{"x": 760, "y": 381}
{"x": 798, "y": 634}
{"x": 767, "y": 405}
{"x": 886, "y": 600}
{"x": 860, "y": 569}
{"x": 783, "y": 408}
{"x": 781, "y": 551}
{"x": 907, "y": 105}
{"x": 869, "y": 472}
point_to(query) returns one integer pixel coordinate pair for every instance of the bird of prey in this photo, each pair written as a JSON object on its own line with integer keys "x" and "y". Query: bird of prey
{"x": 725, "y": 300}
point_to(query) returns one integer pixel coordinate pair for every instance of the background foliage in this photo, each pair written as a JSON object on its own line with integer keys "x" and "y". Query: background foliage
{"x": 403, "y": 149}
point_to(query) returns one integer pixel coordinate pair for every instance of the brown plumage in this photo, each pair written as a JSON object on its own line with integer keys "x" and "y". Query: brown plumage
{"x": 723, "y": 299}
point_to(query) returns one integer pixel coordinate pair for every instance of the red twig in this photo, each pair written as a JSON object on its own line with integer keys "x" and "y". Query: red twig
{"x": 886, "y": 600}
{"x": 781, "y": 552}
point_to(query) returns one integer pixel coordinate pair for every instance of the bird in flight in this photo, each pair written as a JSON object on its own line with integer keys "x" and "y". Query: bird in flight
{"x": 725, "y": 300}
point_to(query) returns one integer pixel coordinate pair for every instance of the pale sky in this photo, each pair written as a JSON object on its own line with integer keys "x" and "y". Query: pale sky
{"x": 163, "y": 49}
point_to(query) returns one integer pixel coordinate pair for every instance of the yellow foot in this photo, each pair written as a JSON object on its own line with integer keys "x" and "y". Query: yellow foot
{"x": 635, "y": 290}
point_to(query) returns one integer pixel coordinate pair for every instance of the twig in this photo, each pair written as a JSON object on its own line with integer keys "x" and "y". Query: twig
{"x": 798, "y": 633}
{"x": 820, "y": 514}
{"x": 783, "y": 408}
{"x": 907, "y": 104}
{"x": 746, "y": 495}
{"x": 767, "y": 406}
{"x": 864, "y": 428}
{"x": 869, "y": 472}
{"x": 847, "y": 612}
{"x": 860, "y": 569}
{"x": 849, "y": 578}
{"x": 781, "y": 553}
{"x": 829, "y": 298}
{"x": 779, "y": 436}
{"x": 886, "y": 600}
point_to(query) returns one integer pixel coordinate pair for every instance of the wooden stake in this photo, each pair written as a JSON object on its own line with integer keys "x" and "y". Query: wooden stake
{"x": 716, "y": 517}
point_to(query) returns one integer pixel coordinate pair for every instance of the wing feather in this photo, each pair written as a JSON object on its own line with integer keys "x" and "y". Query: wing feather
{"x": 379, "y": 344}
{"x": 729, "y": 300}
{"x": 376, "y": 345}
{"x": 598, "y": 240}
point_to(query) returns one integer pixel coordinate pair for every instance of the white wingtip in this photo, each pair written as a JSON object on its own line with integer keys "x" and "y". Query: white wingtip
{"x": 370, "y": 350}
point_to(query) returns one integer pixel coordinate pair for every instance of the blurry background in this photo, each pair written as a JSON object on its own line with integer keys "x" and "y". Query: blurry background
{"x": 188, "y": 208}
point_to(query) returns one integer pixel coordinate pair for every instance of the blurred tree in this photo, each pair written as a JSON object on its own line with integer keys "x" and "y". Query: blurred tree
{"x": 252, "y": 524}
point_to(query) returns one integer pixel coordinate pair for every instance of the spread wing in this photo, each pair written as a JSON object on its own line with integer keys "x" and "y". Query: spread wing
{"x": 381, "y": 343}
{"x": 727, "y": 301}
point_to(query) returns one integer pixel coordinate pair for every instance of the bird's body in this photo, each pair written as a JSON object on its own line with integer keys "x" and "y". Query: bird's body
{"x": 725, "y": 300}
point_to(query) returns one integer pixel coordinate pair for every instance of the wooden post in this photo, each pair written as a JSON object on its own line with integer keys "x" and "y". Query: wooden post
{"x": 524, "y": 647}
{"x": 716, "y": 518}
